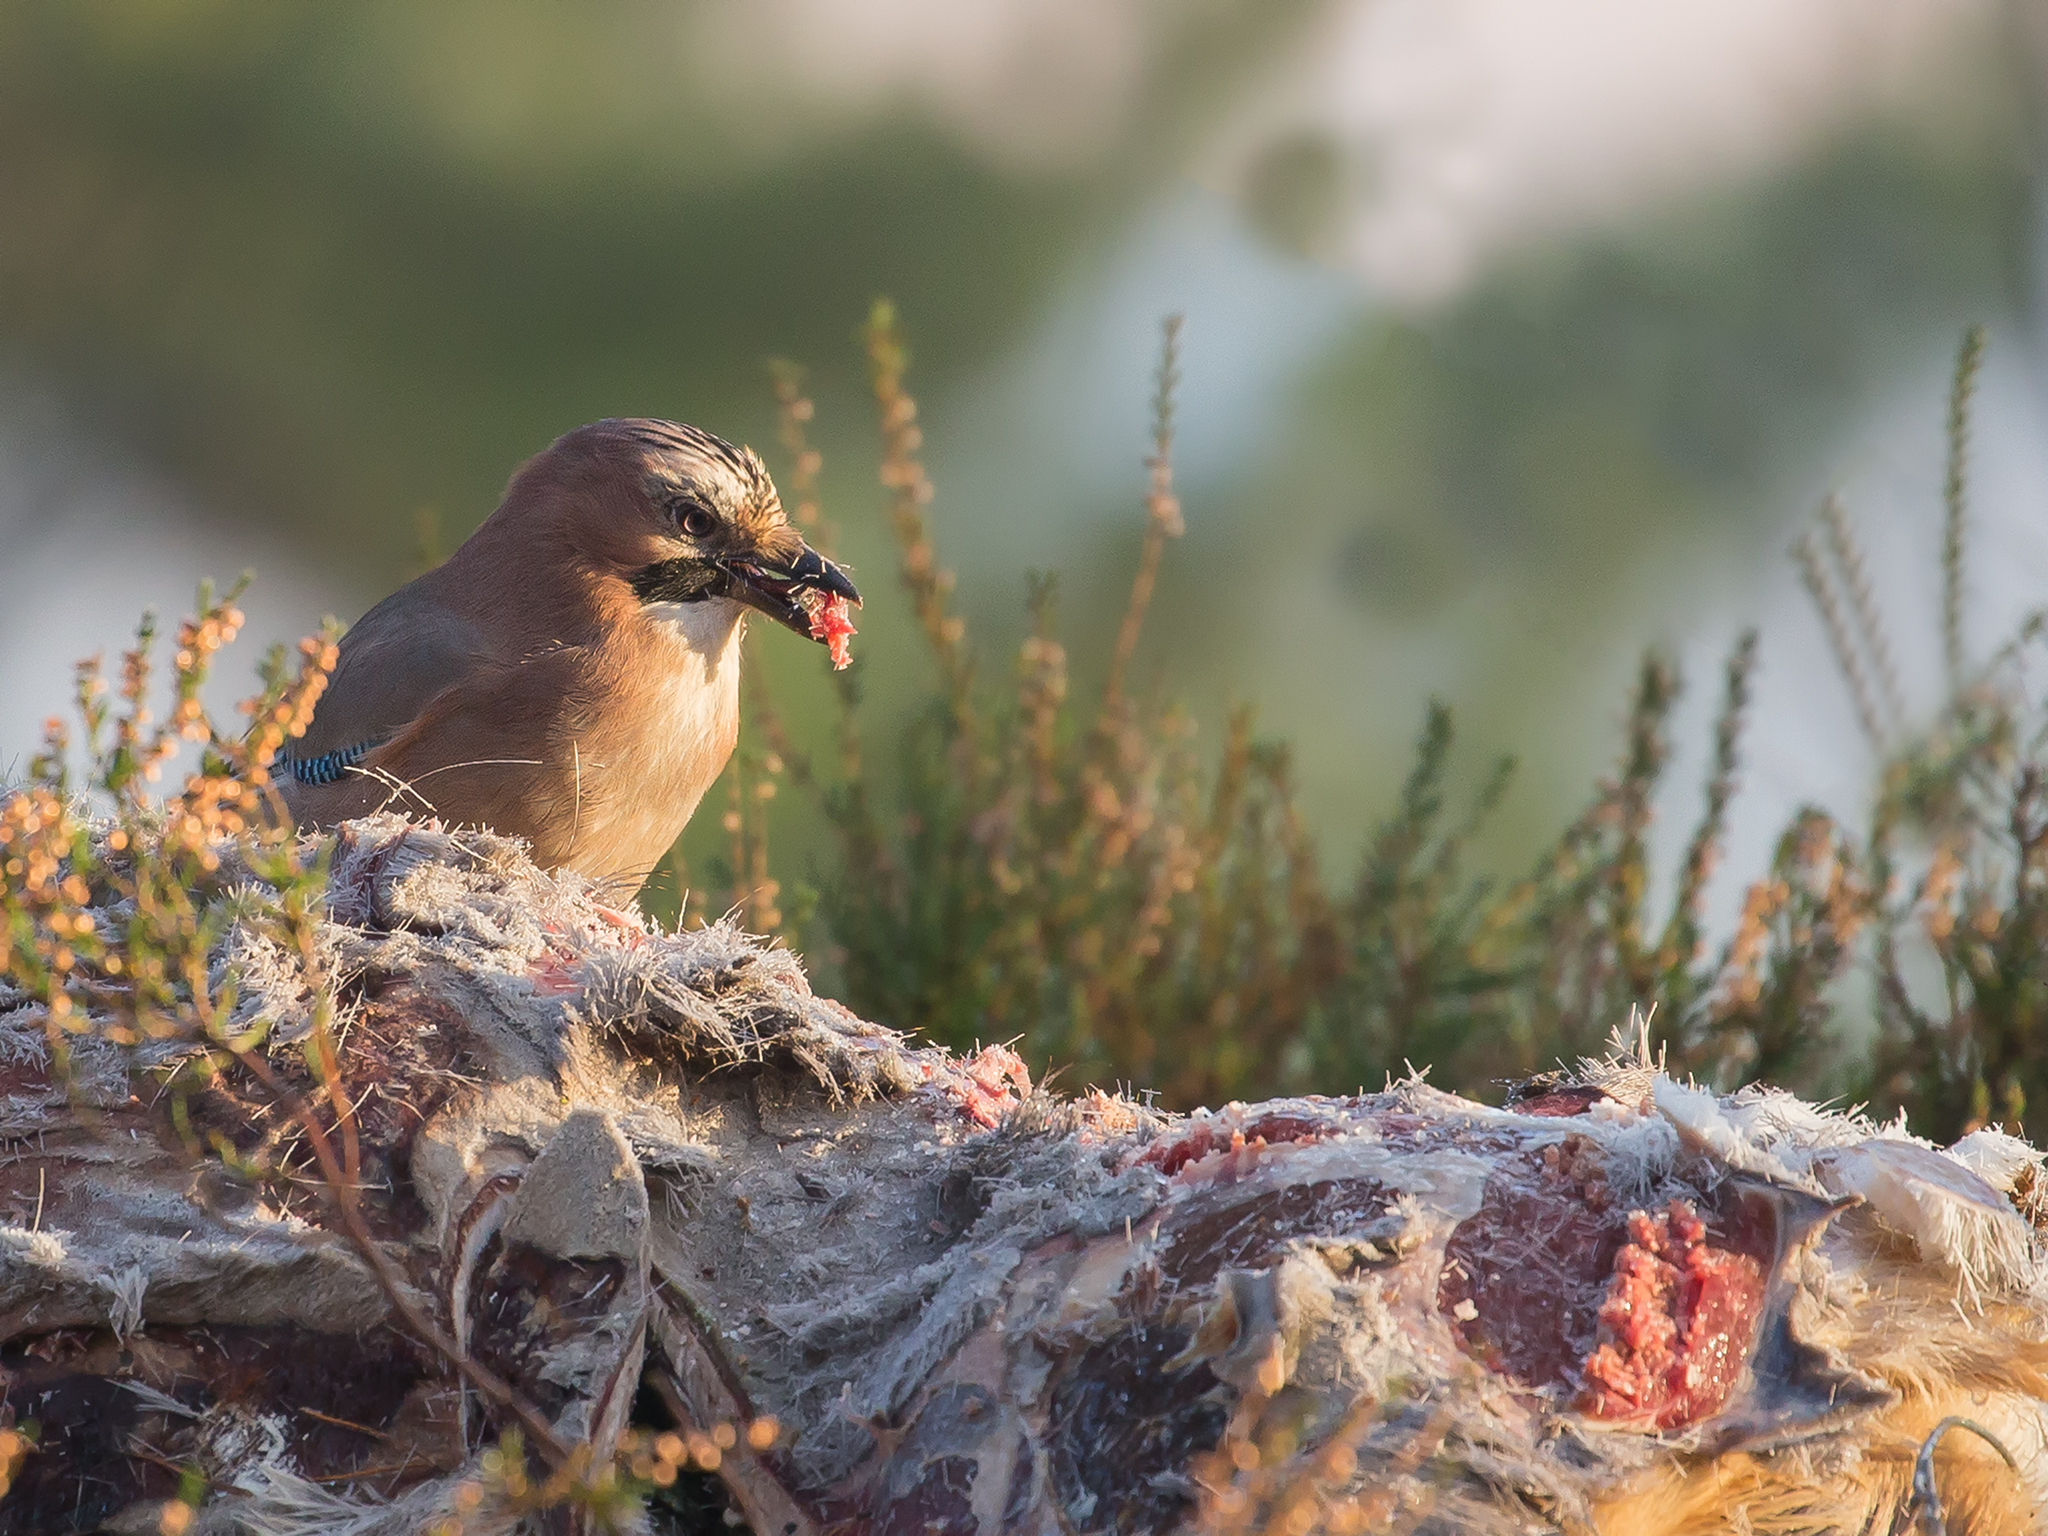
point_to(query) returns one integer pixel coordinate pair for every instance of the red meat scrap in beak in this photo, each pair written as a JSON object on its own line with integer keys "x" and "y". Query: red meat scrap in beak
{"x": 830, "y": 624}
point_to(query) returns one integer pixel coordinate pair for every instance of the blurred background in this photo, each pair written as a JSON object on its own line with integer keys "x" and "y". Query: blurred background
{"x": 1520, "y": 333}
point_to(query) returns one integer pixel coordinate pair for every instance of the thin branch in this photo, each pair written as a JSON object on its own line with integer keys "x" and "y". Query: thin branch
{"x": 341, "y": 1191}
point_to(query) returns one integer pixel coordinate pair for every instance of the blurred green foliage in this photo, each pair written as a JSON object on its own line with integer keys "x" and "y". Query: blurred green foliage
{"x": 1074, "y": 876}
{"x": 1571, "y": 453}
{"x": 334, "y": 265}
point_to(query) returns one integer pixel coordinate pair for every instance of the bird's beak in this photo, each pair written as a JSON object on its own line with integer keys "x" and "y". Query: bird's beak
{"x": 773, "y": 589}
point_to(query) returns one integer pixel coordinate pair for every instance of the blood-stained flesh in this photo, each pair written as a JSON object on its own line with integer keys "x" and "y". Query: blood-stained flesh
{"x": 830, "y": 624}
{"x": 1676, "y": 1323}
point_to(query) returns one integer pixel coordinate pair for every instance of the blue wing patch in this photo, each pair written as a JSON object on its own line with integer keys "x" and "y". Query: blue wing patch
{"x": 330, "y": 766}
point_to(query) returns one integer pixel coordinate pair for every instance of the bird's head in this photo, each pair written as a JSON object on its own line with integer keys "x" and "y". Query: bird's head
{"x": 685, "y": 517}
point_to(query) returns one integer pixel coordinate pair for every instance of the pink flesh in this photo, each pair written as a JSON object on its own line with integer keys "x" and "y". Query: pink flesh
{"x": 1645, "y": 1318}
{"x": 830, "y": 624}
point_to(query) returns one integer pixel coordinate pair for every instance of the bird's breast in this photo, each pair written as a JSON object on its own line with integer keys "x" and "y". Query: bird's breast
{"x": 692, "y": 717}
{"x": 663, "y": 738}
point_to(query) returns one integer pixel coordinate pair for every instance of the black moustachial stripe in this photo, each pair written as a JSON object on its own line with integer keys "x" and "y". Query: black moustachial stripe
{"x": 684, "y": 580}
{"x": 330, "y": 766}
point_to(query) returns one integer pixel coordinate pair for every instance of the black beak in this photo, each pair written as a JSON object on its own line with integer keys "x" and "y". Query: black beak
{"x": 774, "y": 591}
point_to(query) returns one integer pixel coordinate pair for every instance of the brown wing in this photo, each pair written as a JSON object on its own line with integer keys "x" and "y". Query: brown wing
{"x": 393, "y": 662}
{"x": 483, "y": 751}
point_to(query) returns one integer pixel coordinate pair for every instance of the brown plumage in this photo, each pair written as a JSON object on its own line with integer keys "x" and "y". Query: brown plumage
{"x": 570, "y": 675}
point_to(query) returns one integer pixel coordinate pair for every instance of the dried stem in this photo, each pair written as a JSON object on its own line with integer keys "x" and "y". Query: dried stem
{"x": 750, "y": 785}
{"x": 735, "y": 822}
{"x": 1682, "y": 934}
{"x": 762, "y": 890}
{"x": 1827, "y": 599}
{"x": 794, "y": 410}
{"x": 1648, "y": 748}
{"x": 1163, "y": 517}
{"x": 1848, "y": 553}
{"x": 902, "y": 473}
{"x": 1955, "y": 493}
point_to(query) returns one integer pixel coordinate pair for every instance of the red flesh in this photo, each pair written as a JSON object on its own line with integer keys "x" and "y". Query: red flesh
{"x": 1645, "y": 1318}
{"x": 1207, "y": 1137}
{"x": 830, "y": 624}
{"x": 1676, "y": 1325}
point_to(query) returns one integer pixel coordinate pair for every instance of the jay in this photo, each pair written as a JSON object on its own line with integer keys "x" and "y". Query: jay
{"x": 571, "y": 674}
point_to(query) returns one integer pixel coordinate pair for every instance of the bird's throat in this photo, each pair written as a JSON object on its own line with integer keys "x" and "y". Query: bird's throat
{"x": 695, "y": 636}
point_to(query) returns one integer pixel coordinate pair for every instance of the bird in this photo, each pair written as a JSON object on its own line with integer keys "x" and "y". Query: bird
{"x": 570, "y": 675}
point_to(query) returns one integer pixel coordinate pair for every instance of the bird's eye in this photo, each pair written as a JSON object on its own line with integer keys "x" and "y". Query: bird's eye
{"x": 696, "y": 522}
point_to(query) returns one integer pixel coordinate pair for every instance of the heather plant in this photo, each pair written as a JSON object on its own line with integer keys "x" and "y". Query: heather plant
{"x": 1940, "y": 906}
{"x": 1958, "y": 853}
{"x": 174, "y": 863}
{"x": 1076, "y": 875}
{"x": 1073, "y": 875}
{"x": 1062, "y": 874}
{"x": 1490, "y": 982}
{"x": 115, "y": 902}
